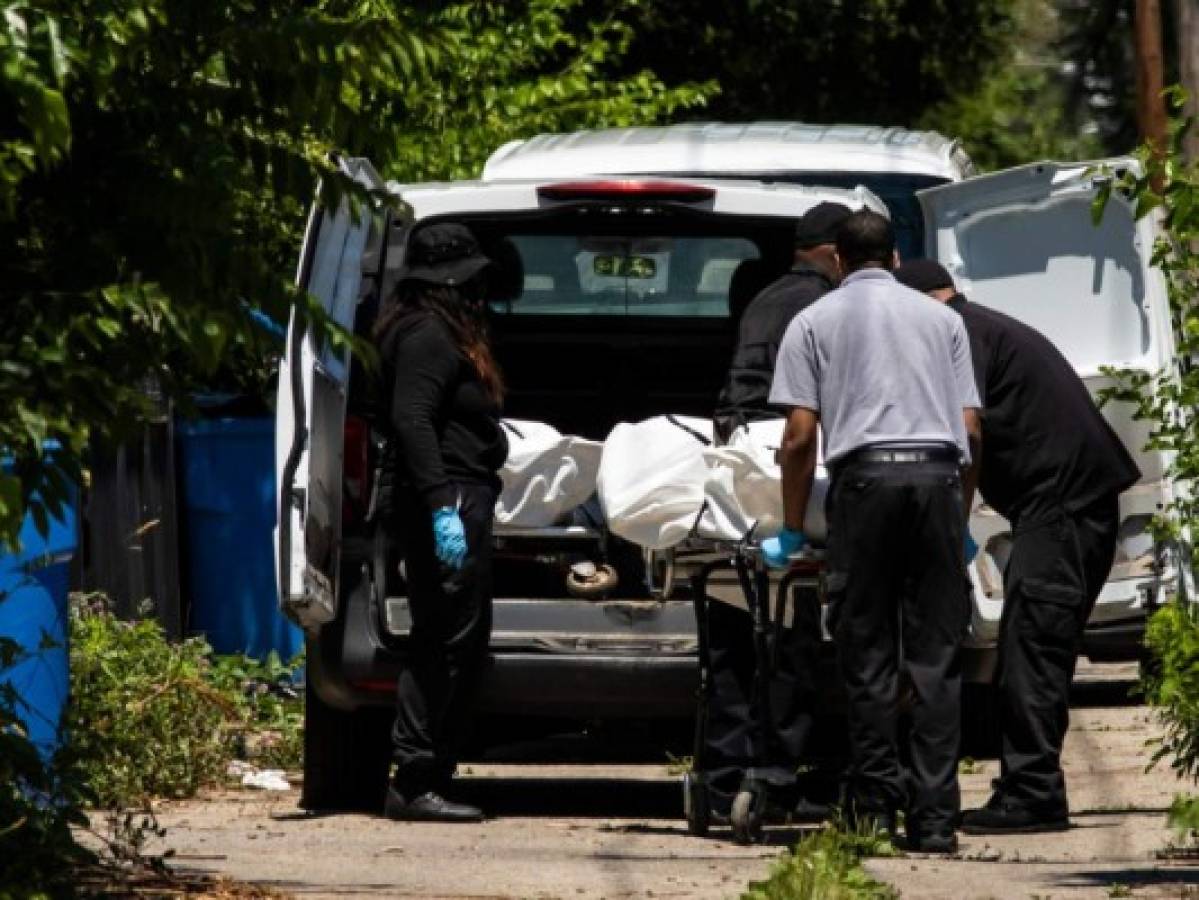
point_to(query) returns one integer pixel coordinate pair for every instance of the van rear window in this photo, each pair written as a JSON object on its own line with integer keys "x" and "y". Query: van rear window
{"x": 614, "y": 275}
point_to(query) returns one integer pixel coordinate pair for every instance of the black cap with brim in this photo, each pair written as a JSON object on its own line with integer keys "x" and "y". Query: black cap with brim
{"x": 451, "y": 274}
{"x": 443, "y": 253}
{"x": 820, "y": 223}
{"x": 924, "y": 275}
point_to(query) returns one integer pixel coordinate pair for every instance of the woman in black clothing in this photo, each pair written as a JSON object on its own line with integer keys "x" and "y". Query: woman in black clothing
{"x": 442, "y": 393}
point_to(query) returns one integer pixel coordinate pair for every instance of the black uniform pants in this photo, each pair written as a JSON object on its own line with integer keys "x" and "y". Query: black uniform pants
{"x": 895, "y": 588}
{"x": 1058, "y": 564}
{"x": 731, "y": 733}
{"x": 447, "y": 650}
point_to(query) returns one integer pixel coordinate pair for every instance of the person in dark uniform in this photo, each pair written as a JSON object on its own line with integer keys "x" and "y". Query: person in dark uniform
{"x": 893, "y": 389}
{"x": 744, "y": 397}
{"x": 441, "y": 414}
{"x": 730, "y": 734}
{"x": 1055, "y": 469}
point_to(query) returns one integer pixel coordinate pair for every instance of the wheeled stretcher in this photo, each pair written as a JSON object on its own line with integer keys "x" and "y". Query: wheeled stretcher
{"x": 698, "y": 511}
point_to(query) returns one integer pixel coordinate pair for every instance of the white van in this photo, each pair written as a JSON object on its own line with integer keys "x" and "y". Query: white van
{"x": 585, "y": 342}
{"x": 702, "y": 201}
{"x": 1020, "y": 241}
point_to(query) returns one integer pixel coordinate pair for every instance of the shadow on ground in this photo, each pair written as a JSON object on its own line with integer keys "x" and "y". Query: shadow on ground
{"x": 1122, "y": 692}
{"x": 574, "y": 797}
{"x": 1131, "y": 878}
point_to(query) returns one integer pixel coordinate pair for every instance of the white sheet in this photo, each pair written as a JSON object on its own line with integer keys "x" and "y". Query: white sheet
{"x": 660, "y": 481}
{"x": 547, "y": 474}
{"x": 743, "y": 488}
{"x": 651, "y": 479}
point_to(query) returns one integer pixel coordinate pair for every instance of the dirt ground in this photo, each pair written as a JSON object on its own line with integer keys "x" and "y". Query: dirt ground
{"x": 613, "y": 831}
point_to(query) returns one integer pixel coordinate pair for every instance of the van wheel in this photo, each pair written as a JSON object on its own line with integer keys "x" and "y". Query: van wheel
{"x": 346, "y": 756}
{"x": 981, "y": 737}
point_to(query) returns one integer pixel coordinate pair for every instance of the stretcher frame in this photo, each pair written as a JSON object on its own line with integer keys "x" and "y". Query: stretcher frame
{"x": 805, "y": 571}
{"x": 804, "y": 577}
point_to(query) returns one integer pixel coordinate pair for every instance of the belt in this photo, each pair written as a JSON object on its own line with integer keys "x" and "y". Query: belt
{"x": 907, "y": 455}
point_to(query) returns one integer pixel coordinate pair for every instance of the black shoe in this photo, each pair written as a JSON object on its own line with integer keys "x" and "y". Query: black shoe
{"x": 1002, "y": 815}
{"x": 931, "y": 842}
{"x": 428, "y": 807}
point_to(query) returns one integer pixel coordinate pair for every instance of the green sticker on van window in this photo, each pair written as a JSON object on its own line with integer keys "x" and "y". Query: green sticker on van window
{"x": 611, "y": 264}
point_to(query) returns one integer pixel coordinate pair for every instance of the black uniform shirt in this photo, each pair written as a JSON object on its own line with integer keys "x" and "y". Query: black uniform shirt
{"x": 747, "y": 386}
{"x": 445, "y": 426}
{"x": 1044, "y": 440}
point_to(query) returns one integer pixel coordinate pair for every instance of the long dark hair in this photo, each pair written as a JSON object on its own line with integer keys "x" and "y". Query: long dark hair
{"x": 461, "y": 311}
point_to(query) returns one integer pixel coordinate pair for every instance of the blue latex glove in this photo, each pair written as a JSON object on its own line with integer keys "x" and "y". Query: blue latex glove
{"x": 777, "y": 550}
{"x": 971, "y": 547}
{"x": 449, "y": 537}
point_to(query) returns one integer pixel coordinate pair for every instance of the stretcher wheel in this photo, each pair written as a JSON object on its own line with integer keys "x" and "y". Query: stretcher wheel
{"x": 749, "y": 807}
{"x": 696, "y": 806}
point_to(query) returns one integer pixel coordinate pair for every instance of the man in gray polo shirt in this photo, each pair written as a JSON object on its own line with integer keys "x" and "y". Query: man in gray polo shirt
{"x": 889, "y": 377}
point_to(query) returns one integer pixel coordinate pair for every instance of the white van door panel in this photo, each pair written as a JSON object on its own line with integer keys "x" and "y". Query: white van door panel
{"x": 310, "y": 414}
{"x": 1023, "y": 241}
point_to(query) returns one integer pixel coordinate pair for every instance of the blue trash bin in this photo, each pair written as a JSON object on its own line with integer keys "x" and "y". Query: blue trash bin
{"x": 34, "y": 584}
{"x": 227, "y": 480}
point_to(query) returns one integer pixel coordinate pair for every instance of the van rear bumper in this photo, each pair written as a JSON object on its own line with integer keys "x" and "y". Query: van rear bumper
{"x": 556, "y": 658}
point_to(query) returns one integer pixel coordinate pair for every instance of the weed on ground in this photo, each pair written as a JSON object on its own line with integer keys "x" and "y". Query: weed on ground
{"x": 827, "y": 865}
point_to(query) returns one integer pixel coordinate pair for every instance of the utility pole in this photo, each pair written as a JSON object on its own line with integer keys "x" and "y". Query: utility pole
{"x": 1151, "y": 108}
{"x": 1188, "y": 59}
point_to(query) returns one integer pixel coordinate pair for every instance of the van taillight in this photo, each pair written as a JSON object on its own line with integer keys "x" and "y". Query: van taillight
{"x": 632, "y": 189}
{"x": 356, "y": 469}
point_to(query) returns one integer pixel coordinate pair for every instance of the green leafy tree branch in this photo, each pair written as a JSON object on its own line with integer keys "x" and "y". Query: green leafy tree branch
{"x": 1167, "y": 186}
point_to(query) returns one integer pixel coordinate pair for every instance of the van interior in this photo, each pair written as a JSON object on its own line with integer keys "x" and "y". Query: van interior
{"x": 602, "y": 313}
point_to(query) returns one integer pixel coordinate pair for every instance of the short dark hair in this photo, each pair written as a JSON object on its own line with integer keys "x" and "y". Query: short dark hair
{"x": 865, "y": 238}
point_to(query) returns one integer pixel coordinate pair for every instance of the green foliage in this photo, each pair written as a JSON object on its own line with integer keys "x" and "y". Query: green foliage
{"x": 519, "y": 69}
{"x": 268, "y": 726}
{"x": 1184, "y": 818}
{"x": 1096, "y": 40}
{"x": 150, "y": 718}
{"x": 878, "y": 62}
{"x": 1172, "y": 684}
{"x": 144, "y": 719}
{"x": 826, "y": 865}
{"x": 1019, "y": 112}
{"x": 157, "y": 156}
{"x": 1168, "y": 187}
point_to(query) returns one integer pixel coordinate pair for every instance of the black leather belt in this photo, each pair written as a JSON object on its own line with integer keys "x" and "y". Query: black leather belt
{"x": 904, "y": 455}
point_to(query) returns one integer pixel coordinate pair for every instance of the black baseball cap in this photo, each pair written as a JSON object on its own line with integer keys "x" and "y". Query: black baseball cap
{"x": 820, "y": 223}
{"x": 924, "y": 275}
{"x": 445, "y": 253}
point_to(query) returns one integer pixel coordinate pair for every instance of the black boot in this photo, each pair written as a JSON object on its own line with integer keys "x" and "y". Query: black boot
{"x": 930, "y": 840}
{"x": 428, "y": 807}
{"x": 1004, "y": 815}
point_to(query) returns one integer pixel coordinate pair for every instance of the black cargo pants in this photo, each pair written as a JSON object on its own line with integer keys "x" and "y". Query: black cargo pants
{"x": 895, "y": 588}
{"x": 447, "y": 649}
{"x": 731, "y": 732}
{"x": 1058, "y": 564}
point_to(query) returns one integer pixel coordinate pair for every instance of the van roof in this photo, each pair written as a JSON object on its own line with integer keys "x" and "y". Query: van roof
{"x": 732, "y": 196}
{"x": 714, "y": 148}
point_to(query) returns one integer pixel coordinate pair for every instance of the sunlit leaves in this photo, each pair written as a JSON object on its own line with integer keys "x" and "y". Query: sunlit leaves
{"x": 1168, "y": 187}
{"x": 154, "y": 178}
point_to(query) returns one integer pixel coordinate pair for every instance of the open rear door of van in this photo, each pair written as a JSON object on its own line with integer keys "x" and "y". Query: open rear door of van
{"x": 1023, "y": 241}
{"x": 310, "y": 415}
